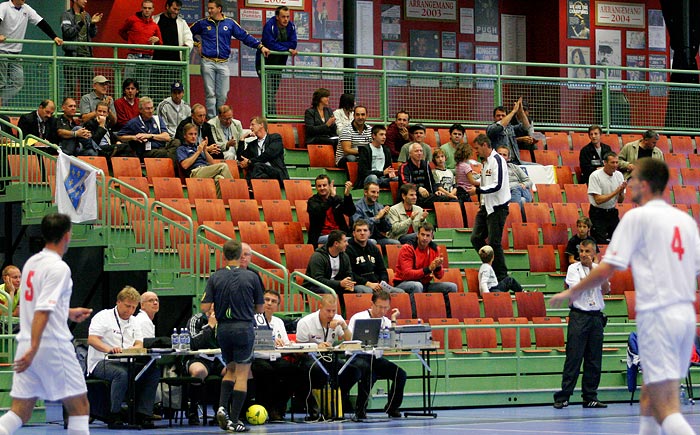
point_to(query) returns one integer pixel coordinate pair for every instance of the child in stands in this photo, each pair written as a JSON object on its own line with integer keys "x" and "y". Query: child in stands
{"x": 487, "y": 277}
{"x": 583, "y": 232}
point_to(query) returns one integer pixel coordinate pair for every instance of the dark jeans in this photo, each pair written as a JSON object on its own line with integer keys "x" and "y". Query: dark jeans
{"x": 117, "y": 373}
{"x": 379, "y": 368}
{"x": 491, "y": 227}
{"x": 507, "y": 284}
{"x": 584, "y": 342}
{"x": 604, "y": 223}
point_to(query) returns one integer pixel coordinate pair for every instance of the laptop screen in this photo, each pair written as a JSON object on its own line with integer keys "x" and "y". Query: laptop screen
{"x": 367, "y": 331}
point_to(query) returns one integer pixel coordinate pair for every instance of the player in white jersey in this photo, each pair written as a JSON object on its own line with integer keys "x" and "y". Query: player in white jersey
{"x": 46, "y": 366}
{"x": 662, "y": 245}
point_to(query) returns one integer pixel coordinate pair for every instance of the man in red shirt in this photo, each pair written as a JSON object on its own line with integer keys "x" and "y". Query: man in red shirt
{"x": 419, "y": 262}
{"x": 397, "y": 134}
{"x": 142, "y": 30}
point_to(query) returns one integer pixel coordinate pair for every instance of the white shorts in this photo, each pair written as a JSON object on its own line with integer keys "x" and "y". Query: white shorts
{"x": 54, "y": 374}
{"x": 665, "y": 342}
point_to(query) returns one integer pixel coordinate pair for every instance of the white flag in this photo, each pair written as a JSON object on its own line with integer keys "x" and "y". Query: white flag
{"x": 76, "y": 189}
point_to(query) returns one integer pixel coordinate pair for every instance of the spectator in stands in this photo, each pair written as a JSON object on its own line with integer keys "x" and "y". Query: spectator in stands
{"x": 635, "y": 150}
{"x": 606, "y": 188}
{"x": 88, "y": 102}
{"x": 276, "y": 378}
{"x": 196, "y": 160}
{"x": 330, "y": 265}
{"x": 374, "y": 214}
{"x": 464, "y": 178}
{"x": 198, "y": 118}
{"x": 372, "y": 363}
{"x": 176, "y": 33}
{"x": 14, "y": 17}
{"x": 366, "y": 262}
{"x": 503, "y": 130}
{"x": 443, "y": 177}
{"x": 528, "y": 141}
{"x": 417, "y": 135}
{"x": 214, "y": 45}
{"x": 11, "y": 277}
{"x": 583, "y": 232}
{"x": 173, "y": 110}
{"x": 584, "y": 337}
{"x": 66, "y": 129}
{"x": 127, "y": 107}
{"x": 417, "y": 172}
{"x": 144, "y": 319}
{"x": 374, "y": 161}
{"x": 519, "y": 182}
{"x": 147, "y": 134}
{"x": 406, "y": 217}
{"x": 357, "y": 134}
{"x": 264, "y": 157}
{"x": 227, "y": 131}
{"x": 397, "y": 134}
{"x": 140, "y": 29}
{"x": 113, "y": 330}
{"x": 591, "y": 156}
{"x": 419, "y": 263}
{"x": 279, "y": 34}
{"x": 77, "y": 25}
{"x": 202, "y": 327}
{"x": 319, "y": 120}
{"x": 344, "y": 114}
{"x": 103, "y": 140}
{"x": 456, "y": 138}
{"x": 40, "y": 122}
{"x": 495, "y": 196}
{"x": 487, "y": 277}
{"x": 327, "y": 210}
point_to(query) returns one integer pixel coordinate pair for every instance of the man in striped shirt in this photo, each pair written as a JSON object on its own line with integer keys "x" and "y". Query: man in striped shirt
{"x": 357, "y": 134}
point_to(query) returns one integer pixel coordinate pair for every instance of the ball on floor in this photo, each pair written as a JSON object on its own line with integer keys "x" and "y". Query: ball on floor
{"x": 256, "y": 414}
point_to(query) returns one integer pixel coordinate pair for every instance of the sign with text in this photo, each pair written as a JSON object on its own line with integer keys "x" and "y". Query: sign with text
{"x": 620, "y": 14}
{"x": 294, "y": 4}
{"x": 436, "y": 10}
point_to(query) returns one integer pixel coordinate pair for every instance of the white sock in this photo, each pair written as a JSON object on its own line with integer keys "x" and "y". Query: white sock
{"x": 78, "y": 425}
{"x": 675, "y": 424}
{"x": 648, "y": 426}
{"x": 9, "y": 423}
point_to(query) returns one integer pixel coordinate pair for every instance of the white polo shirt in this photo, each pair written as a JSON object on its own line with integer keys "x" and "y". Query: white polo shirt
{"x": 115, "y": 332}
{"x": 600, "y": 183}
{"x": 589, "y": 300}
{"x": 14, "y": 24}
{"x": 143, "y": 322}
{"x": 310, "y": 330}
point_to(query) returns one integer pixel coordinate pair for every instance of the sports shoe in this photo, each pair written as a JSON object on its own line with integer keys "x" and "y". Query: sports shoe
{"x": 394, "y": 413}
{"x": 594, "y": 404}
{"x": 225, "y": 423}
{"x": 239, "y": 427}
{"x": 561, "y": 404}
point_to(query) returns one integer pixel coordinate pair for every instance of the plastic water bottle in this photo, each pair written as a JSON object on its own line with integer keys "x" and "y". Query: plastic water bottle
{"x": 175, "y": 340}
{"x": 384, "y": 338}
{"x": 684, "y": 396}
{"x": 185, "y": 340}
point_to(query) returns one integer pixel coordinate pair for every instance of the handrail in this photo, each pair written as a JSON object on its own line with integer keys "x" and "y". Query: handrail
{"x": 294, "y": 287}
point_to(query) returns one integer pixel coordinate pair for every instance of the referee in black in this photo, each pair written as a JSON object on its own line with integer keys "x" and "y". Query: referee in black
{"x": 237, "y": 295}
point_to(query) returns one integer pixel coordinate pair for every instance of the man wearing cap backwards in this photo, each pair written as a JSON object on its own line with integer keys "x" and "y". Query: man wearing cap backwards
{"x": 635, "y": 150}
{"x": 416, "y": 133}
{"x": 173, "y": 110}
{"x": 502, "y": 132}
{"x": 88, "y": 103}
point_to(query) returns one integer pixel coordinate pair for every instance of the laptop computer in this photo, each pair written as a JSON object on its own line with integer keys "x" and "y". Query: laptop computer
{"x": 367, "y": 331}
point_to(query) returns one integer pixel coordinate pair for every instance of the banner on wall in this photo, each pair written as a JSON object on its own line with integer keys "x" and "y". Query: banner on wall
{"x": 578, "y": 20}
{"x": 620, "y": 14}
{"x": 191, "y": 10}
{"x": 391, "y": 22}
{"x": 657, "y": 30}
{"x": 294, "y": 4}
{"x": 433, "y": 10}
{"x": 486, "y": 20}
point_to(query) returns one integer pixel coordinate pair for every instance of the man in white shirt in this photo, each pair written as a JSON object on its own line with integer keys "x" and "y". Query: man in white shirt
{"x": 662, "y": 245}
{"x": 113, "y": 330}
{"x": 374, "y": 366}
{"x": 606, "y": 188}
{"x": 144, "y": 319}
{"x": 584, "y": 337}
{"x": 227, "y": 131}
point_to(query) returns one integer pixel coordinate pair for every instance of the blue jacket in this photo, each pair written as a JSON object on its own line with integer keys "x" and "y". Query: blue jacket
{"x": 216, "y": 37}
{"x": 271, "y": 33}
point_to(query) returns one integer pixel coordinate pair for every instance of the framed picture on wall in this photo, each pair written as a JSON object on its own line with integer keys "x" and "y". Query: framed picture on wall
{"x": 327, "y": 19}
{"x": 578, "y": 20}
{"x": 579, "y": 56}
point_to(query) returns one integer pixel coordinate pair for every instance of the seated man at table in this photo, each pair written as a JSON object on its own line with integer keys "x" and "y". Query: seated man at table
{"x": 325, "y": 328}
{"x": 374, "y": 366}
{"x": 276, "y": 377}
{"x": 202, "y": 327}
{"x": 112, "y": 331}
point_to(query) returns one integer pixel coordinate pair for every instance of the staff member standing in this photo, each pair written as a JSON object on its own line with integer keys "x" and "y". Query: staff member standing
{"x": 237, "y": 295}
{"x": 584, "y": 338}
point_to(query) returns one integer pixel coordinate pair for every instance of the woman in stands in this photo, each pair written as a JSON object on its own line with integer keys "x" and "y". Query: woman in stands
{"x": 319, "y": 120}
{"x": 344, "y": 114}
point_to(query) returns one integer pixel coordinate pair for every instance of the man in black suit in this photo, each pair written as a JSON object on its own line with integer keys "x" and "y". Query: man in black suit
{"x": 264, "y": 157}
{"x": 40, "y": 122}
{"x": 199, "y": 119}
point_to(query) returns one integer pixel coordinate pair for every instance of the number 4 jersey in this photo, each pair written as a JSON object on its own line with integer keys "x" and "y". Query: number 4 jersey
{"x": 46, "y": 286}
{"x": 662, "y": 246}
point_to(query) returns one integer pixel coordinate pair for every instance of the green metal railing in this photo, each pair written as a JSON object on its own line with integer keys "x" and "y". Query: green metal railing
{"x": 56, "y": 76}
{"x": 557, "y": 102}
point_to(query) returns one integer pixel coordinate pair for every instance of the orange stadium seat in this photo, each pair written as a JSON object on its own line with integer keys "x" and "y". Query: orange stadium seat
{"x": 525, "y": 234}
{"x": 287, "y": 233}
{"x": 557, "y": 141}
{"x": 541, "y": 258}
{"x": 167, "y": 187}
{"x": 159, "y": 167}
{"x": 549, "y": 193}
{"x": 464, "y": 305}
{"x": 243, "y": 210}
{"x": 497, "y": 304}
{"x": 209, "y": 209}
{"x": 266, "y": 189}
{"x": 276, "y": 210}
{"x": 126, "y": 167}
{"x": 253, "y": 232}
{"x": 576, "y": 193}
{"x": 224, "y": 227}
{"x": 566, "y": 214}
{"x": 232, "y": 188}
{"x": 545, "y": 157}
{"x": 297, "y": 189}
{"x": 200, "y": 188}
{"x": 682, "y": 145}
{"x": 430, "y": 305}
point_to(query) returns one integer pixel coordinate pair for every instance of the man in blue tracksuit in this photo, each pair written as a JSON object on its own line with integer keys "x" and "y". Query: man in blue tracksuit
{"x": 279, "y": 34}
{"x": 214, "y": 46}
